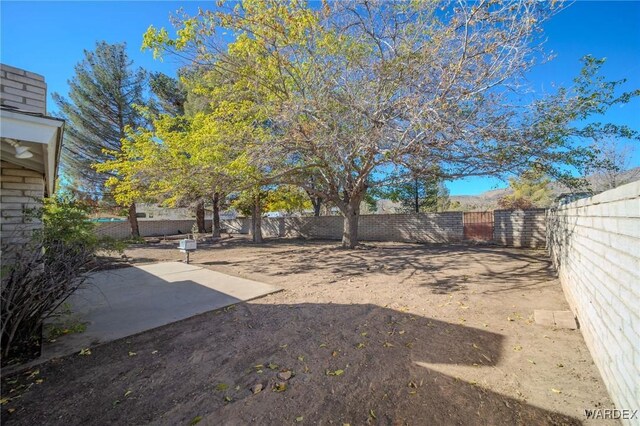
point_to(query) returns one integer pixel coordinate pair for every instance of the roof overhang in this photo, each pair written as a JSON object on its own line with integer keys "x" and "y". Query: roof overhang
{"x": 41, "y": 134}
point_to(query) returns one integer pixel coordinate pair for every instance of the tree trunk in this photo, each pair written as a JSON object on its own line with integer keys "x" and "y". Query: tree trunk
{"x": 416, "y": 196}
{"x": 216, "y": 216}
{"x": 133, "y": 221}
{"x": 256, "y": 220}
{"x": 317, "y": 204}
{"x": 350, "y": 230}
{"x": 200, "y": 217}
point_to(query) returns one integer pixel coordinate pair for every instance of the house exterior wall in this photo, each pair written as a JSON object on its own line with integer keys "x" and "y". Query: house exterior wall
{"x": 21, "y": 190}
{"x": 595, "y": 245}
{"x": 22, "y": 89}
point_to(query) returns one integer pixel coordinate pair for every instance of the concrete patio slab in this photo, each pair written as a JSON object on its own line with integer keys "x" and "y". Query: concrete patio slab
{"x": 565, "y": 319}
{"x": 544, "y": 317}
{"x": 557, "y": 319}
{"x": 122, "y": 302}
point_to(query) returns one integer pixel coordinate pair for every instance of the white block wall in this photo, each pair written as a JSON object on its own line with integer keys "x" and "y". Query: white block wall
{"x": 595, "y": 246}
{"x": 22, "y": 191}
{"x": 520, "y": 228}
{"x": 22, "y": 89}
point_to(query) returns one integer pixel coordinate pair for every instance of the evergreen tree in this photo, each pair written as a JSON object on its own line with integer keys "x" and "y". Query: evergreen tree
{"x": 530, "y": 190}
{"x": 427, "y": 194}
{"x": 170, "y": 95}
{"x": 102, "y": 98}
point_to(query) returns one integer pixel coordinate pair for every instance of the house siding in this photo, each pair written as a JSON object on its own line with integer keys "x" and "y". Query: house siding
{"x": 21, "y": 191}
{"x": 22, "y": 90}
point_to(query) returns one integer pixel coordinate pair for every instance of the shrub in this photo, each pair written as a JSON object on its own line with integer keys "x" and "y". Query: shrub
{"x": 35, "y": 283}
{"x": 40, "y": 275}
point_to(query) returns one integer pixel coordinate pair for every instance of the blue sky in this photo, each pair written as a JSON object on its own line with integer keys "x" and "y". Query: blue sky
{"x": 49, "y": 37}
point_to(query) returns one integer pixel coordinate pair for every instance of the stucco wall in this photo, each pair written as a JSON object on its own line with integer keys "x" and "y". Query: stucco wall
{"x": 595, "y": 246}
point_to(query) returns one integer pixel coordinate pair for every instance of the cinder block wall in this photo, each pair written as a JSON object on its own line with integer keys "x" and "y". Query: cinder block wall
{"x": 22, "y": 89}
{"x": 423, "y": 227}
{"x": 520, "y": 228}
{"x": 513, "y": 228}
{"x": 21, "y": 191}
{"x": 595, "y": 245}
{"x": 148, "y": 228}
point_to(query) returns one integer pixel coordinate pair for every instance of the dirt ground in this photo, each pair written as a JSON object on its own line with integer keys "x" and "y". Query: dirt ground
{"x": 389, "y": 334}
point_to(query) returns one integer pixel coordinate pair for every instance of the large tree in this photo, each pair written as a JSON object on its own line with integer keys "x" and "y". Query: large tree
{"x": 356, "y": 90}
{"x": 102, "y": 97}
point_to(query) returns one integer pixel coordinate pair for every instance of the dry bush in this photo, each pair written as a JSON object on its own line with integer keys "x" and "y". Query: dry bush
{"x": 35, "y": 281}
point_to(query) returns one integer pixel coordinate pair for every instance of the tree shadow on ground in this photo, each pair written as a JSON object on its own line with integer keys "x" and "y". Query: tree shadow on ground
{"x": 443, "y": 268}
{"x": 352, "y": 364}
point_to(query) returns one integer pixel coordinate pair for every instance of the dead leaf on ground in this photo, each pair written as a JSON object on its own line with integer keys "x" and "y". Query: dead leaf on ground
{"x": 285, "y": 375}
{"x": 195, "y": 420}
{"x": 85, "y": 352}
{"x": 280, "y": 387}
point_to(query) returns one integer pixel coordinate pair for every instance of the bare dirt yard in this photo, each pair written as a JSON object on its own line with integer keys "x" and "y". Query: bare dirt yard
{"x": 388, "y": 334}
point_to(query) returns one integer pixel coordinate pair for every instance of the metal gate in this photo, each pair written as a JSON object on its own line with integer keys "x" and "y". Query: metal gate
{"x": 478, "y": 226}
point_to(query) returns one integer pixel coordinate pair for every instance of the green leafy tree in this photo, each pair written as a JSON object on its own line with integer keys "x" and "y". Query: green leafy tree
{"x": 287, "y": 199}
{"x": 354, "y": 89}
{"x": 101, "y": 105}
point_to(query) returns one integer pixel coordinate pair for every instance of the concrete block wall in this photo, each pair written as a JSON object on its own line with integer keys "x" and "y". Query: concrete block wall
{"x": 423, "y": 227}
{"x": 520, "y": 228}
{"x": 516, "y": 228}
{"x": 22, "y": 89}
{"x": 21, "y": 191}
{"x": 595, "y": 245}
{"x": 148, "y": 228}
